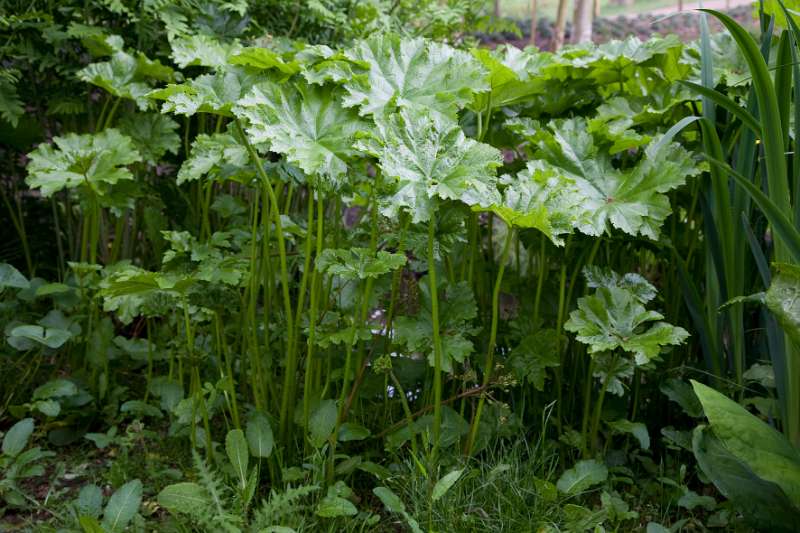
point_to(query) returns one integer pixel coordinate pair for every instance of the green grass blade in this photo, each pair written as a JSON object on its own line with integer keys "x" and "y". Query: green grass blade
{"x": 758, "y": 254}
{"x": 691, "y": 297}
{"x": 769, "y": 113}
{"x": 706, "y": 68}
{"x": 726, "y": 103}
{"x": 794, "y": 47}
{"x": 784, "y": 229}
{"x": 783, "y": 82}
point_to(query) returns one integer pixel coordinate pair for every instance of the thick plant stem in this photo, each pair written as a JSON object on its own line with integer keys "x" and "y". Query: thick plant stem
{"x": 487, "y": 371}
{"x": 587, "y": 400}
{"x": 316, "y": 281}
{"x": 437, "y": 341}
{"x": 302, "y": 293}
{"x": 286, "y": 401}
{"x": 598, "y": 411}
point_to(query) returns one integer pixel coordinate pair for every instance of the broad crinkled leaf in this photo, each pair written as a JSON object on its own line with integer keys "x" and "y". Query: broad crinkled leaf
{"x": 619, "y": 59}
{"x": 201, "y": 49}
{"x": 96, "y": 160}
{"x": 429, "y": 159}
{"x": 126, "y": 76}
{"x": 153, "y": 134}
{"x": 614, "y": 121}
{"x": 783, "y": 299}
{"x": 412, "y": 73}
{"x": 218, "y": 156}
{"x": 538, "y": 197}
{"x": 597, "y": 277}
{"x": 613, "y": 318}
{"x": 306, "y": 123}
{"x": 633, "y": 199}
{"x": 514, "y": 75}
{"x": 209, "y": 93}
{"x": 359, "y": 263}
{"x": 535, "y": 353}
{"x": 321, "y": 64}
{"x": 457, "y": 310}
{"x": 263, "y": 59}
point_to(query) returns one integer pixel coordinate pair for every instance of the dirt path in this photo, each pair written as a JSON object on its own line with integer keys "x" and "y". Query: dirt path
{"x": 689, "y": 6}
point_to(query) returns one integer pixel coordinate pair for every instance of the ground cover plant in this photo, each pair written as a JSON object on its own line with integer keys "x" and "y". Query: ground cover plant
{"x": 330, "y": 266}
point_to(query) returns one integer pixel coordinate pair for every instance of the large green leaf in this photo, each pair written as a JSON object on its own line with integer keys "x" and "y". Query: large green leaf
{"x": 153, "y": 135}
{"x": 11, "y": 277}
{"x": 457, "y": 310}
{"x": 631, "y": 199}
{"x": 429, "y": 160}
{"x": 535, "y": 353}
{"x": 764, "y": 505}
{"x": 613, "y": 318}
{"x": 410, "y": 73}
{"x": 637, "y": 429}
{"x": 358, "y": 263}
{"x": 201, "y": 50}
{"x": 238, "y": 454}
{"x": 96, "y": 160}
{"x": 209, "y": 93}
{"x": 322, "y": 422}
{"x": 783, "y": 299}
{"x": 306, "y": 123}
{"x": 16, "y": 438}
{"x": 321, "y": 64}
{"x": 122, "y": 506}
{"x": 126, "y": 76}
{"x": 538, "y": 197}
{"x": 597, "y": 277}
{"x": 263, "y": 59}
{"x": 617, "y": 60}
{"x": 583, "y": 475}
{"x": 394, "y": 504}
{"x": 218, "y": 156}
{"x": 27, "y": 336}
{"x": 187, "y": 498}
{"x": 760, "y": 447}
{"x": 514, "y": 75}
{"x": 445, "y": 484}
{"x": 259, "y": 436}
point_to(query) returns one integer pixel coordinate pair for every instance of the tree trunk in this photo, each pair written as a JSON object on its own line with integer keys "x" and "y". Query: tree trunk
{"x": 680, "y": 5}
{"x": 596, "y": 9}
{"x": 561, "y": 22}
{"x": 582, "y": 22}
{"x": 534, "y": 22}
{"x": 497, "y": 9}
